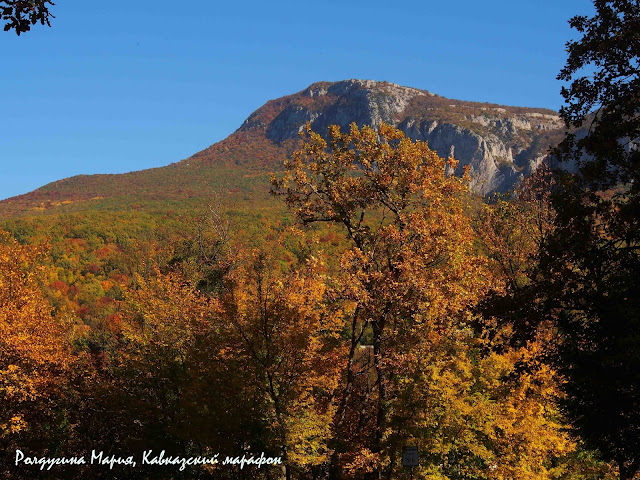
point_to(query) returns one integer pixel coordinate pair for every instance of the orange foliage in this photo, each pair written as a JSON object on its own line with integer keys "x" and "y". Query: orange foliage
{"x": 34, "y": 355}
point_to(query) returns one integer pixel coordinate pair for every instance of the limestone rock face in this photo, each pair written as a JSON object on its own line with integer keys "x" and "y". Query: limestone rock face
{"x": 499, "y": 144}
{"x": 360, "y": 101}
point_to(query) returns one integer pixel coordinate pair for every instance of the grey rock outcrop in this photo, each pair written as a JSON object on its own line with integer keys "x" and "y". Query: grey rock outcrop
{"x": 498, "y": 144}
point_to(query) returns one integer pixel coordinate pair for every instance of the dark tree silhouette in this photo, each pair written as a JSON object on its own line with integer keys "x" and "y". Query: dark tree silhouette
{"x": 19, "y": 15}
{"x": 603, "y": 95}
{"x": 592, "y": 263}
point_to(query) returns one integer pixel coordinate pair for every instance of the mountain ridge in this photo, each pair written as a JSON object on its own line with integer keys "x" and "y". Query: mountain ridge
{"x": 500, "y": 144}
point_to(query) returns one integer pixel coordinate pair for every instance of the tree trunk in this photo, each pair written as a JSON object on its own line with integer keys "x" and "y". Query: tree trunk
{"x": 627, "y": 471}
{"x": 286, "y": 470}
{"x": 334, "y": 468}
{"x": 381, "y": 417}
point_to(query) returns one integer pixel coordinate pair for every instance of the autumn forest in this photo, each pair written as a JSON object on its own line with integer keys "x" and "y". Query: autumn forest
{"x": 345, "y": 296}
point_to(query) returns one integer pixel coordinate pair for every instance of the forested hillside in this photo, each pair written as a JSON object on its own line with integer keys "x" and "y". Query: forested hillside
{"x": 364, "y": 281}
{"x": 329, "y": 337}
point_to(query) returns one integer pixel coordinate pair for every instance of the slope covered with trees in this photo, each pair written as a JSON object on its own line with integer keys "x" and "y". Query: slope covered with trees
{"x": 330, "y": 346}
{"x": 370, "y": 301}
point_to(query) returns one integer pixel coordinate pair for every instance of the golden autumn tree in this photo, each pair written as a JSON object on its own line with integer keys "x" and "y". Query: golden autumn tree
{"x": 475, "y": 414}
{"x": 512, "y": 231}
{"x": 287, "y": 338}
{"x": 35, "y": 358}
{"x": 164, "y": 317}
{"x": 176, "y": 382}
{"x": 250, "y": 367}
{"x": 421, "y": 368}
{"x": 514, "y": 228}
{"x": 411, "y": 271}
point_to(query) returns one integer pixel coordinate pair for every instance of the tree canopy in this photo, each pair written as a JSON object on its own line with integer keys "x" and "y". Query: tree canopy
{"x": 20, "y": 15}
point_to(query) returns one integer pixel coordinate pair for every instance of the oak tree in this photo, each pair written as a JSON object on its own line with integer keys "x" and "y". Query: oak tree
{"x": 411, "y": 270}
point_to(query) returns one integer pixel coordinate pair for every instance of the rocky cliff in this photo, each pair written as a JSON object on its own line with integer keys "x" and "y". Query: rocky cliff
{"x": 499, "y": 144}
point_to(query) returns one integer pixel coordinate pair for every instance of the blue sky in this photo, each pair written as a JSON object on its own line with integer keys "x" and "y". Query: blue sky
{"x": 125, "y": 85}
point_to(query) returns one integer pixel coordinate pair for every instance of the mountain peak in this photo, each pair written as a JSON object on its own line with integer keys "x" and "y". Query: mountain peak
{"x": 365, "y": 102}
{"x": 500, "y": 144}
{"x": 343, "y": 87}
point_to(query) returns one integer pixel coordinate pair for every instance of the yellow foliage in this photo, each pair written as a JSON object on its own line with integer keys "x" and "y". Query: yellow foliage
{"x": 34, "y": 355}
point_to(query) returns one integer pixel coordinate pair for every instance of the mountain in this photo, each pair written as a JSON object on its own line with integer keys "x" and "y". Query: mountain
{"x": 500, "y": 145}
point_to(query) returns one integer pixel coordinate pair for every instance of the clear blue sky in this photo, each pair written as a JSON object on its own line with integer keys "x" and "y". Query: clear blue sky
{"x": 121, "y": 85}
